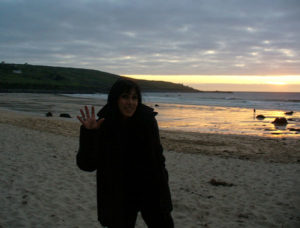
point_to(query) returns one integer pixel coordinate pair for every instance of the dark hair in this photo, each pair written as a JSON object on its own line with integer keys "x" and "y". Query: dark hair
{"x": 122, "y": 86}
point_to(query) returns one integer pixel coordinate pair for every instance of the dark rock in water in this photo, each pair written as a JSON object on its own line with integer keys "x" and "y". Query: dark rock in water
{"x": 156, "y": 105}
{"x": 49, "y": 114}
{"x": 280, "y": 126}
{"x": 65, "y": 115}
{"x": 289, "y": 113}
{"x": 260, "y": 117}
{"x": 280, "y": 121}
{"x": 294, "y": 129}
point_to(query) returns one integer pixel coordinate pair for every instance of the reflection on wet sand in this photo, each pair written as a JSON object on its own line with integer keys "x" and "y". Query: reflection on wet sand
{"x": 225, "y": 120}
{"x": 189, "y": 118}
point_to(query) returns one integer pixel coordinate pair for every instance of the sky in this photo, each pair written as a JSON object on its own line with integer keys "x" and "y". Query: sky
{"x": 207, "y": 44}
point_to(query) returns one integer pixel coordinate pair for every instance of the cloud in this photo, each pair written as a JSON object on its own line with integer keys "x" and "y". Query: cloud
{"x": 154, "y": 37}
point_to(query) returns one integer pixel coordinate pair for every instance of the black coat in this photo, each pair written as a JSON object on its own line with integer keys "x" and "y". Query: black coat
{"x": 129, "y": 160}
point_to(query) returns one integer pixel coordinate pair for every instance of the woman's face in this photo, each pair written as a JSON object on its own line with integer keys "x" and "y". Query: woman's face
{"x": 128, "y": 103}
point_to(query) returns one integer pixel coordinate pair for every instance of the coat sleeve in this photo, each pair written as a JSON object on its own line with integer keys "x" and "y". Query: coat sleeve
{"x": 159, "y": 148}
{"x": 86, "y": 158}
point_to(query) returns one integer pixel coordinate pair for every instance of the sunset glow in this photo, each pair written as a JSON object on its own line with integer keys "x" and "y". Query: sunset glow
{"x": 277, "y": 83}
{"x": 287, "y": 83}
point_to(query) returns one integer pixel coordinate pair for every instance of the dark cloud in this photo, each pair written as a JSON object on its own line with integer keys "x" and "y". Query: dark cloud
{"x": 154, "y": 37}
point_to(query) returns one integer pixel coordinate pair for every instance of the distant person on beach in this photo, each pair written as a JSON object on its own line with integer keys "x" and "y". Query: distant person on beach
{"x": 123, "y": 145}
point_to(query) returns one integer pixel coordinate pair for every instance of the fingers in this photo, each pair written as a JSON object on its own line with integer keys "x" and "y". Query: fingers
{"x": 82, "y": 114}
{"x": 80, "y": 119}
{"x": 93, "y": 112}
{"x": 87, "y": 112}
{"x": 86, "y": 119}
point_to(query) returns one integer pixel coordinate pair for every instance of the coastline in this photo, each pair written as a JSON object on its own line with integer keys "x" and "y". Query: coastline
{"x": 42, "y": 186}
{"x": 171, "y": 116}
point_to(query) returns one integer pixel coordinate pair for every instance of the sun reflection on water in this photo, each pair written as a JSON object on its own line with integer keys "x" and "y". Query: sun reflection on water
{"x": 225, "y": 120}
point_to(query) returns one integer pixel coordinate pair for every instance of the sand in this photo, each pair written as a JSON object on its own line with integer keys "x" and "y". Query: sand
{"x": 40, "y": 185}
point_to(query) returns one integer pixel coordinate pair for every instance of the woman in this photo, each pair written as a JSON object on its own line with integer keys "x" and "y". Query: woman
{"x": 123, "y": 145}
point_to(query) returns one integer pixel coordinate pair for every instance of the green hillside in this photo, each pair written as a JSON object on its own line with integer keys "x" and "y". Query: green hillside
{"x": 47, "y": 79}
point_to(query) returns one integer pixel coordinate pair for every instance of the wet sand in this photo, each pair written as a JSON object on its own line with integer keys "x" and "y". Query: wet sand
{"x": 284, "y": 149}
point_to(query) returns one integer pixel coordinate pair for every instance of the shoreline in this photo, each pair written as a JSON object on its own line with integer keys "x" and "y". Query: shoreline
{"x": 175, "y": 117}
{"x": 246, "y": 147}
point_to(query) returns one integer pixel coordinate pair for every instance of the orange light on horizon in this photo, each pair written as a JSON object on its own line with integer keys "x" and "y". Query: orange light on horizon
{"x": 224, "y": 79}
{"x": 276, "y": 83}
{"x": 283, "y": 83}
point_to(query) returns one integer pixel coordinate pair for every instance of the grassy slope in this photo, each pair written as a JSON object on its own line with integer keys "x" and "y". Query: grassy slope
{"x": 73, "y": 80}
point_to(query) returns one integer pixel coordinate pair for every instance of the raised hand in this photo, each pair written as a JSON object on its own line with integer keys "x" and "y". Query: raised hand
{"x": 89, "y": 121}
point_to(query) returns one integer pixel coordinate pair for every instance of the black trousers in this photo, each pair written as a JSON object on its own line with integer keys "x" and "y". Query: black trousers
{"x": 152, "y": 218}
{"x": 150, "y": 214}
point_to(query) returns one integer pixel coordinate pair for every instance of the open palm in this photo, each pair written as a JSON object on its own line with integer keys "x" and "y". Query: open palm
{"x": 89, "y": 121}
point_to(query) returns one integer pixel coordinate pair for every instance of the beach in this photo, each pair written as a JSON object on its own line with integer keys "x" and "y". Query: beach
{"x": 41, "y": 186}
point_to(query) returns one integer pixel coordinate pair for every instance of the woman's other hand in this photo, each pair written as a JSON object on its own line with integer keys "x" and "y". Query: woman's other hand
{"x": 89, "y": 121}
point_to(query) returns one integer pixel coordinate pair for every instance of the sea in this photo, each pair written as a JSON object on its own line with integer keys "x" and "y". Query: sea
{"x": 205, "y": 112}
{"x": 224, "y": 112}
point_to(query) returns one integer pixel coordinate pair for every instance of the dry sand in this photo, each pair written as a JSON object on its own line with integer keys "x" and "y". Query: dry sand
{"x": 40, "y": 185}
